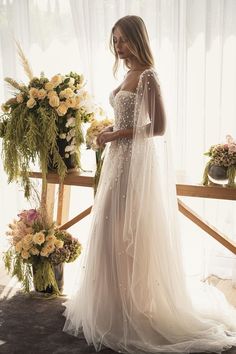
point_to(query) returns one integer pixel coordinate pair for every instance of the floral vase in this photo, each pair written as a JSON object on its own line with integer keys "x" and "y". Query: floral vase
{"x": 218, "y": 174}
{"x": 69, "y": 161}
{"x": 58, "y": 278}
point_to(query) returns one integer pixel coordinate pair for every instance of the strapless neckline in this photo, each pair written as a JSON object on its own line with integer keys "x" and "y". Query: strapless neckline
{"x": 126, "y": 91}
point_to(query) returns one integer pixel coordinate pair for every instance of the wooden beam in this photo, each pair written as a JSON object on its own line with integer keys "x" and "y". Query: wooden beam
{"x": 204, "y": 225}
{"x": 213, "y": 191}
{"x": 75, "y": 219}
{"x": 72, "y": 179}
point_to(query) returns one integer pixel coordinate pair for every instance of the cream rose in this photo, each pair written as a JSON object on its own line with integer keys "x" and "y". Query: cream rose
{"x": 18, "y": 246}
{"x": 51, "y": 93}
{"x": 62, "y": 109}
{"x": 54, "y": 101}
{"x": 19, "y": 98}
{"x": 44, "y": 252}
{"x": 49, "y": 86}
{"x": 39, "y": 238}
{"x": 42, "y": 94}
{"x": 33, "y": 92}
{"x": 71, "y": 102}
{"x": 66, "y": 93}
{"x": 51, "y": 238}
{"x": 56, "y": 80}
{"x": 31, "y": 102}
{"x": 78, "y": 101}
{"x": 25, "y": 254}
{"x": 50, "y": 247}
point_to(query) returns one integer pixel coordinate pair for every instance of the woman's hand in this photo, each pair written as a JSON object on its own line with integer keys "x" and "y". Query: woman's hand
{"x": 104, "y": 137}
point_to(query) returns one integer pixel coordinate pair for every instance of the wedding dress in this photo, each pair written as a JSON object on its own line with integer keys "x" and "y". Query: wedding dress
{"x": 132, "y": 294}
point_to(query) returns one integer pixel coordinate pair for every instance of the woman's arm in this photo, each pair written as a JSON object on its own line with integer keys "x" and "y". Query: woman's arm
{"x": 106, "y": 137}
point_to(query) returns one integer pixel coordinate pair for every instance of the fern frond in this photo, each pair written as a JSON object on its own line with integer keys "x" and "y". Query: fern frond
{"x": 24, "y": 61}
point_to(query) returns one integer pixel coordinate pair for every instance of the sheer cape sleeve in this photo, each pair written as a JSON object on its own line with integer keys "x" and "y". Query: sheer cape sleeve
{"x": 153, "y": 238}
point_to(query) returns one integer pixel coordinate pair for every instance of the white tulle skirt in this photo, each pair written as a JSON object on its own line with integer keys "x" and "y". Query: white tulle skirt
{"x": 132, "y": 293}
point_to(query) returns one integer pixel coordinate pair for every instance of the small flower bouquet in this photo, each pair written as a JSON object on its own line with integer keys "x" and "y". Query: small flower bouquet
{"x": 43, "y": 121}
{"x": 223, "y": 158}
{"x": 96, "y": 127}
{"x": 36, "y": 247}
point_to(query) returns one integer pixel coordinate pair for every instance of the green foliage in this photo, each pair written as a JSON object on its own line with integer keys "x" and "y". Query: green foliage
{"x": 18, "y": 267}
{"x": 44, "y": 276}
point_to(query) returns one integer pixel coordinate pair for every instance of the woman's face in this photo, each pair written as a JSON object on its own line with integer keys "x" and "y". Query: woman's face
{"x": 120, "y": 44}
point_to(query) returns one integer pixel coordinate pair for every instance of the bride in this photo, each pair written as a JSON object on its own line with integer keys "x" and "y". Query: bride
{"x": 133, "y": 296}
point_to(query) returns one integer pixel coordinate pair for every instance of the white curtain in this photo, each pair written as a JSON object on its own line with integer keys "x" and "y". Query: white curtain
{"x": 194, "y": 45}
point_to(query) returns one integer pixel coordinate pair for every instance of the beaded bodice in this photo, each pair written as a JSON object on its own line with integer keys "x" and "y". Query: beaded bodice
{"x": 120, "y": 150}
{"x": 123, "y": 103}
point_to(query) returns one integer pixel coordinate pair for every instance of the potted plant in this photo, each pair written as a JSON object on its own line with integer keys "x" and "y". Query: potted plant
{"x": 38, "y": 250}
{"x": 43, "y": 122}
{"x": 221, "y": 168}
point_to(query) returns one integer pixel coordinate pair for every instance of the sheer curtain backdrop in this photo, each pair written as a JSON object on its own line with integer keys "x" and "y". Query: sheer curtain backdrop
{"x": 194, "y": 44}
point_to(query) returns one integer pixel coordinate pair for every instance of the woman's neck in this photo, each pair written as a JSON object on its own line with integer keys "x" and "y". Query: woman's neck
{"x": 135, "y": 65}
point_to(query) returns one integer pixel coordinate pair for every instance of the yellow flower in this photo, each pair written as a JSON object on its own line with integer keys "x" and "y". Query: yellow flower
{"x": 39, "y": 238}
{"x": 44, "y": 252}
{"x": 51, "y": 93}
{"x": 66, "y": 93}
{"x": 31, "y": 102}
{"x": 71, "y": 102}
{"x": 42, "y": 94}
{"x": 59, "y": 243}
{"x": 27, "y": 242}
{"x": 49, "y": 86}
{"x": 18, "y": 246}
{"x": 78, "y": 101}
{"x": 62, "y": 109}
{"x": 56, "y": 80}
{"x": 25, "y": 254}
{"x": 19, "y": 98}
{"x": 50, "y": 247}
{"x": 51, "y": 238}
{"x": 54, "y": 101}
{"x": 33, "y": 92}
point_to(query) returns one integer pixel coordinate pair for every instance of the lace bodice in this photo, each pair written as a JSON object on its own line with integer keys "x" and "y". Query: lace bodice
{"x": 123, "y": 103}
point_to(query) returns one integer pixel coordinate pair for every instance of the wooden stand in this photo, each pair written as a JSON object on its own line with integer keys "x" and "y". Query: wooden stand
{"x": 190, "y": 190}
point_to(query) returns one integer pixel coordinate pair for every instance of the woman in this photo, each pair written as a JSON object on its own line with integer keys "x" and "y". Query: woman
{"x": 133, "y": 296}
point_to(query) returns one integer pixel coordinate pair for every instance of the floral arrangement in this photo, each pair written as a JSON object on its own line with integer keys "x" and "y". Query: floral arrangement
{"x": 223, "y": 155}
{"x": 96, "y": 127}
{"x": 43, "y": 121}
{"x": 35, "y": 247}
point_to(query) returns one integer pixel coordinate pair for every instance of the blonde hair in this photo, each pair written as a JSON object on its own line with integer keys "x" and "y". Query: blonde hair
{"x": 134, "y": 29}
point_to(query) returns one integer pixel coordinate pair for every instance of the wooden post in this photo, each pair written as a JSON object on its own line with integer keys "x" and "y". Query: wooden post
{"x": 63, "y": 204}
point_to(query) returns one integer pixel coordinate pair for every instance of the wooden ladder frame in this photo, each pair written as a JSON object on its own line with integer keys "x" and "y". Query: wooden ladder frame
{"x": 190, "y": 190}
